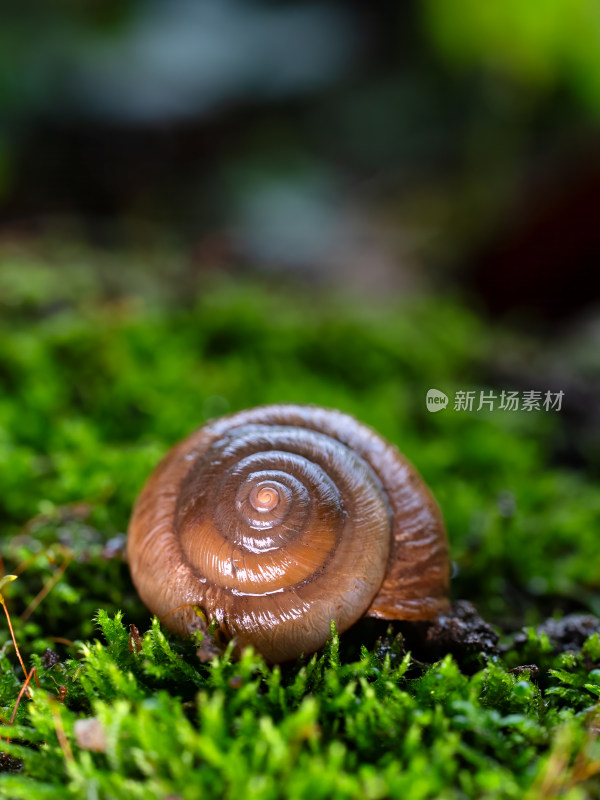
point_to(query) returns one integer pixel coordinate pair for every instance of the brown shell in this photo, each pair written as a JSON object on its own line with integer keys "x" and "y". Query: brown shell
{"x": 279, "y": 519}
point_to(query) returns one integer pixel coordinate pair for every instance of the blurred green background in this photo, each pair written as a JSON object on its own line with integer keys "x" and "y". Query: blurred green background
{"x": 206, "y": 206}
{"x": 385, "y": 147}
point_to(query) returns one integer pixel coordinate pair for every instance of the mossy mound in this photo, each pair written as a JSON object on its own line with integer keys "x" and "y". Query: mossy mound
{"x": 99, "y": 378}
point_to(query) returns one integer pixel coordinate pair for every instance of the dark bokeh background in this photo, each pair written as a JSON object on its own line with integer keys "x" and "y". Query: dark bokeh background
{"x": 383, "y": 146}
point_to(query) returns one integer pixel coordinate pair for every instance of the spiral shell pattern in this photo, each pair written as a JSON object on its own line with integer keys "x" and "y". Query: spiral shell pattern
{"x": 277, "y": 521}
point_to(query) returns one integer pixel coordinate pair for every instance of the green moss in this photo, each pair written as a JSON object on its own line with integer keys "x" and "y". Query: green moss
{"x": 173, "y": 726}
{"x": 97, "y": 382}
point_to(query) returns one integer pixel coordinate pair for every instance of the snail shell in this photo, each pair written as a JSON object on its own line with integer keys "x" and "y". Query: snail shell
{"x": 279, "y": 519}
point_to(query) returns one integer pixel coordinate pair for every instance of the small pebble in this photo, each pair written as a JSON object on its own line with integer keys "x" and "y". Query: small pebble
{"x": 90, "y": 734}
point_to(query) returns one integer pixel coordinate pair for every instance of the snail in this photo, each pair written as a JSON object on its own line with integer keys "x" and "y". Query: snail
{"x": 279, "y": 519}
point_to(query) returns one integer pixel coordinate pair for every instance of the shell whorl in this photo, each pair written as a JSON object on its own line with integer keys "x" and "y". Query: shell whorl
{"x": 278, "y": 520}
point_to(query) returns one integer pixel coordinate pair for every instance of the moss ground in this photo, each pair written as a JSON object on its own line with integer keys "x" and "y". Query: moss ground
{"x": 99, "y": 377}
